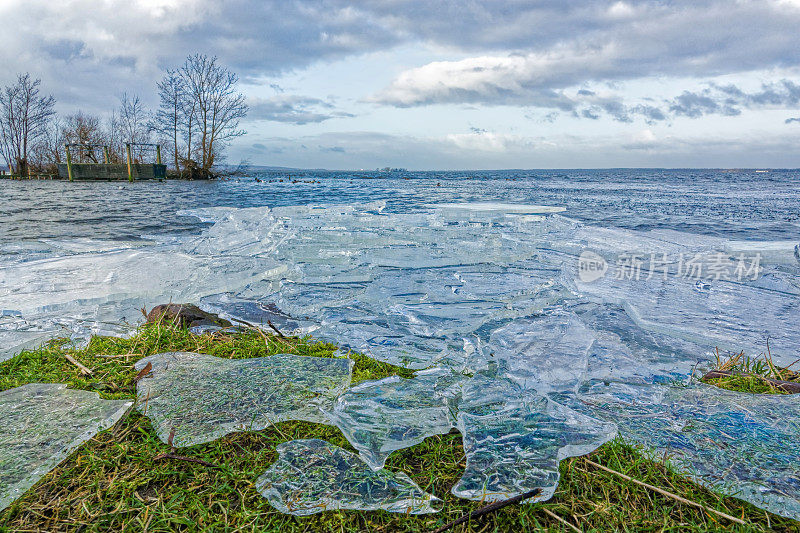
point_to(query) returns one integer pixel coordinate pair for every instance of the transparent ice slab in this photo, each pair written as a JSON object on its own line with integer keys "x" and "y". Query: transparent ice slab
{"x": 741, "y": 444}
{"x": 312, "y": 476}
{"x": 549, "y": 352}
{"x": 714, "y": 312}
{"x": 42, "y": 424}
{"x": 203, "y": 398}
{"x": 380, "y": 417}
{"x": 515, "y": 438}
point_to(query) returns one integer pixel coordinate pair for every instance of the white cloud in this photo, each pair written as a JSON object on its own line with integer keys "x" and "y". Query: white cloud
{"x": 625, "y": 41}
{"x": 486, "y": 141}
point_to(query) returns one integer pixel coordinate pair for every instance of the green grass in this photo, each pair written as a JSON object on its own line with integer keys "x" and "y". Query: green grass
{"x": 113, "y": 482}
{"x": 760, "y": 370}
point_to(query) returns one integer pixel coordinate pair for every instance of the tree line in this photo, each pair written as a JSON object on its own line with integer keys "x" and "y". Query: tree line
{"x": 199, "y": 112}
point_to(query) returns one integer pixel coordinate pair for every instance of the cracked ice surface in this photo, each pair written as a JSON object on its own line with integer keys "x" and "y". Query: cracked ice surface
{"x": 83, "y": 291}
{"x": 491, "y": 293}
{"x": 379, "y": 417}
{"x": 203, "y": 397}
{"x": 312, "y": 476}
{"x": 494, "y": 295}
{"x": 42, "y": 424}
{"x": 514, "y": 438}
{"x": 744, "y": 445}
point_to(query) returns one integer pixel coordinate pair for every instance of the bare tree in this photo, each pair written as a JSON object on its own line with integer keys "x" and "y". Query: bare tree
{"x": 113, "y": 139}
{"x": 134, "y": 122}
{"x": 24, "y": 114}
{"x": 217, "y": 106}
{"x": 47, "y": 151}
{"x": 170, "y": 117}
{"x": 82, "y": 128}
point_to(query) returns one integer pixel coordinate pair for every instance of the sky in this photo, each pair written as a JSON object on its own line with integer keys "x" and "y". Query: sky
{"x": 447, "y": 84}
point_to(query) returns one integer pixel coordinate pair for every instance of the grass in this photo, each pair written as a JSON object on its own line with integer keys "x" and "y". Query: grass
{"x": 752, "y": 375}
{"x": 113, "y": 482}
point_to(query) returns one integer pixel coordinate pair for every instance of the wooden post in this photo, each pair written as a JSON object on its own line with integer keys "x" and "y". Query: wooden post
{"x": 106, "y": 155}
{"x": 158, "y": 154}
{"x": 69, "y": 163}
{"x": 130, "y": 169}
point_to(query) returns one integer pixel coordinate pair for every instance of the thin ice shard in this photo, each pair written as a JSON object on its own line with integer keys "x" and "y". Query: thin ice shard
{"x": 203, "y": 397}
{"x": 42, "y": 424}
{"x": 514, "y": 439}
{"x": 547, "y": 352}
{"x": 742, "y": 444}
{"x": 380, "y": 417}
{"x": 312, "y": 476}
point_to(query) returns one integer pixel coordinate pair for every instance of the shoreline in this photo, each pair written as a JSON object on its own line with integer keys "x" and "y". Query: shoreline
{"x": 114, "y": 481}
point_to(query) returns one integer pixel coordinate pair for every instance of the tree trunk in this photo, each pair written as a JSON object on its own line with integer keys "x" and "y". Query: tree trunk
{"x": 22, "y": 168}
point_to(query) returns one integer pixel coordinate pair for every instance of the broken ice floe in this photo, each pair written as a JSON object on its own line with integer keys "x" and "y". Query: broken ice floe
{"x": 93, "y": 290}
{"x": 380, "y": 417}
{"x": 514, "y": 439}
{"x": 202, "y": 398}
{"x": 42, "y": 424}
{"x": 312, "y": 476}
{"x": 741, "y": 444}
{"x": 466, "y": 288}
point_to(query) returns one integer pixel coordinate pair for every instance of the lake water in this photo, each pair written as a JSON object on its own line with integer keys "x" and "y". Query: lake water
{"x": 737, "y": 205}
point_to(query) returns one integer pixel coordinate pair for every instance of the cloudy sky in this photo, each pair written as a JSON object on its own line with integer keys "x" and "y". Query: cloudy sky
{"x": 448, "y": 84}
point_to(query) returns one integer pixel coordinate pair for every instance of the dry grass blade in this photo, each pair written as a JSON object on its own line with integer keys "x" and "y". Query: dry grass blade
{"x": 666, "y": 493}
{"x": 276, "y": 330}
{"x": 489, "y": 509}
{"x": 554, "y": 515}
{"x": 85, "y": 371}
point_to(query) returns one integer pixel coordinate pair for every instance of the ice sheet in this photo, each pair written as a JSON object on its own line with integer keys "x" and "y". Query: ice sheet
{"x": 312, "y": 476}
{"x": 379, "y": 417}
{"x": 42, "y": 424}
{"x": 514, "y": 439}
{"x": 203, "y": 398}
{"x": 486, "y": 286}
{"x": 492, "y": 292}
{"x": 91, "y": 287}
{"x": 740, "y": 444}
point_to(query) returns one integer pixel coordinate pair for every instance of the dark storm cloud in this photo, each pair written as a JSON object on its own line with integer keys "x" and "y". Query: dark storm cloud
{"x": 730, "y": 100}
{"x": 293, "y": 109}
{"x": 562, "y": 44}
{"x": 650, "y": 113}
{"x": 694, "y": 105}
{"x": 524, "y": 49}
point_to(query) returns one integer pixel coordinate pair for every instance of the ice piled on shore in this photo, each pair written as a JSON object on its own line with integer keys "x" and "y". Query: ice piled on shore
{"x": 42, "y": 424}
{"x": 198, "y": 398}
{"x": 534, "y": 361}
{"x": 312, "y": 476}
{"x": 743, "y": 445}
{"x": 380, "y": 417}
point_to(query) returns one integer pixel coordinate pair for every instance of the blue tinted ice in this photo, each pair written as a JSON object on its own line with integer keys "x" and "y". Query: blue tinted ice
{"x": 201, "y": 398}
{"x": 312, "y": 476}
{"x": 564, "y": 329}
{"x": 379, "y": 417}
{"x": 42, "y": 424}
